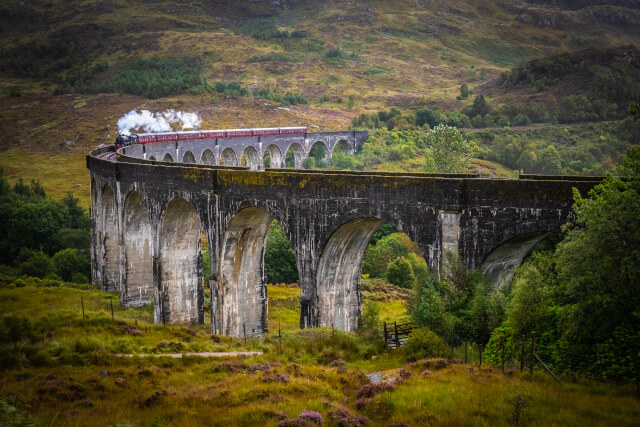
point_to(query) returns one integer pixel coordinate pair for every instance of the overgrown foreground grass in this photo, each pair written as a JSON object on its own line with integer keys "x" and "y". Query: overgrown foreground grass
{"x": 63, "y": 371}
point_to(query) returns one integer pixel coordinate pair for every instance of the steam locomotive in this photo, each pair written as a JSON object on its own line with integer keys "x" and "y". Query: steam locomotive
{"x": 148, "y": 138}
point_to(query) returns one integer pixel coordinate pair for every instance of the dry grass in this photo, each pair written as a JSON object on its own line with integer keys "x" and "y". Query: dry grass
{"x": 306, "y": 371}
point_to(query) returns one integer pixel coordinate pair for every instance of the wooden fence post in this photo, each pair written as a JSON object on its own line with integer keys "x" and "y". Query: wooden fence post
{"x": 82, "y": 302}
{"x": 384, "y": 325}
{"x": 112, "y": 318}
{"x": 395, "y": 324}
{"x": 244, "y": 331}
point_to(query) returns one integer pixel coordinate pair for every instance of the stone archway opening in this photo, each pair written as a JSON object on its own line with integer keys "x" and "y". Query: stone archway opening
{"x": 272, "y": 157}
{"x": 365, "y": 254}
{"x": 229, "y": 157}
{"x": 207, "y": 157}
{"x": 242, "y": 287}
{"x": 138, "y": 253}
{"x": 181, "y": 298}
{"x": 501, "y": 264}
{"x": 167, "y": 158}
{"x": 342, "y": 156}
{"x": 188, "y": 157}
{"x": 110, "y": 247}
{"x": 319, "y": 156}
{"x": 250, "y": 159}
{"x": 282, "y": 278}
{"x": 294, "y": 157}
{"x": 152, "y": 158}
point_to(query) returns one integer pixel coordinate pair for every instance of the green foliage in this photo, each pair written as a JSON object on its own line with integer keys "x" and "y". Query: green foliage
{"x": 369, "y": 324}
{"x": 235, "y": 89}
{"x": 152, "y": 78}
{"x": 379, "y": 256}
{"x": 428, "y": 310}
{"x": 37, "y": 265}
{"x": 400, "y": 273}
{"x": 601, "y": 256}
{"x": 16, "y": 329}
{"x": 69, "y": 262}
{"x": 424, "y": 343}
{"x": 279, "y": 262}
{"x": 531, "y": 295}
{"x": 464, "y": 91}
{"x": 582, "y": 300}
{"x": 451, "y": 153}
{"x": 34, "y": 221}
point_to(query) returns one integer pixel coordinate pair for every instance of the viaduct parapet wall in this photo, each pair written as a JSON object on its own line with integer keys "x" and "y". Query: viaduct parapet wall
{"x": 149, "y": 220}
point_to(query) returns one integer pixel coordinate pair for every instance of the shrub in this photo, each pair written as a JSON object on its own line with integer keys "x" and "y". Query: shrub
{"x": 69, "y": 262}
{"x": 37, "y": 265}
{"x": 400, "y": 273}
{"x": 423, "y": 343}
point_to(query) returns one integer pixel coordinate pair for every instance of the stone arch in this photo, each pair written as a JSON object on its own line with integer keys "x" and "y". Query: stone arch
{"x": 321, "y": 153}
{"x": 152, "y": 158}
{"x": 297, "y": 156}
{"x": 188, "y": 157}
{"x": 250, "y": 158}
{"x": 338, "y": 273}
{"x": 180, "y": 265}
{"x": 242, "y": 278}
{"x": 345, "y": 146}
{"x": 229, "y": 157}
{"x": 501, "y": 263}
{"x": 275, "y": 156}
{"x": 110, "y": 247}
{"x": 138, "y": 252}
{"x": 167, "y": 158}
{"x": 207, "y": 157}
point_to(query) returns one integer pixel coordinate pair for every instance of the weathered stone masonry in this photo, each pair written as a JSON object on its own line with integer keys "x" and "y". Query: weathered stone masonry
{"x": 147, "y": 220}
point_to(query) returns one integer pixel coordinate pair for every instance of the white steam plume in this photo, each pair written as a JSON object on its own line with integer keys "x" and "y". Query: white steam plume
{"x": 165, "y": 121}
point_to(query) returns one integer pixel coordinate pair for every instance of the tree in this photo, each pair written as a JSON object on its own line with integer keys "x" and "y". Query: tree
{"x": 400, "y": 273}
{"x": 431, "y": 117}
{"x": 378, "y": 256}
{"x": 531, "y": 294}
{"x": 37, "y": 265}
{"x": 278, "y": 257}
{"x": 464, "y": 91}
{"x": 451, "y": 153}
{"x": 550, "y": 162}
{"x": 428, "y": 310}
{"x": 599, "y": 260}
{"x": 69, "y": 262}
{"x": 480, "y": 107}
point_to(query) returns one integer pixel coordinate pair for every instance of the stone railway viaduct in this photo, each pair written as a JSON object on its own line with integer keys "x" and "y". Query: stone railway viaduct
{"x": 148, "y": 218}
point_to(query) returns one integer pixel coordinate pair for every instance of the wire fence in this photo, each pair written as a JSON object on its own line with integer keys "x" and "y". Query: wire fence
{"x": 109, "y": 305}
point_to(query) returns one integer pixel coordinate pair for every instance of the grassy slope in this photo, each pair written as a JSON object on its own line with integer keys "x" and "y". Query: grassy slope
{"x": 405, "y": 53}
{"x": 72, "y": 390}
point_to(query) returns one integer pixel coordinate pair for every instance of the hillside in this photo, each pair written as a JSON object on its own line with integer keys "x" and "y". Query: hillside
{"x": 64, "y": 66}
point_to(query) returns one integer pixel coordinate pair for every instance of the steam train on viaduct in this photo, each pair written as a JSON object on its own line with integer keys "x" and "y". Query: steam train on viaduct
{"x": 148, "y": 138}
